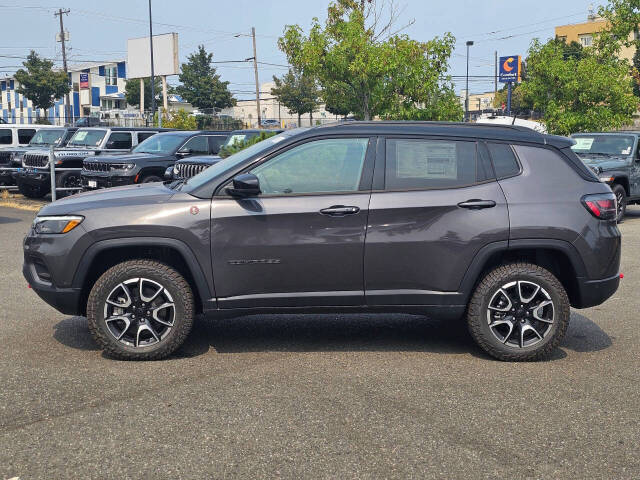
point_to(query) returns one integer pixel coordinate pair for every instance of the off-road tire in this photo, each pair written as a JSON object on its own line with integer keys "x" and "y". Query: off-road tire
{"x": 62, "y": 181}
{"x": 621, "y": 198}
{"x": 492, "y": 282}
{"x": 153, "y": 270}
{"x": 31, "y": 191}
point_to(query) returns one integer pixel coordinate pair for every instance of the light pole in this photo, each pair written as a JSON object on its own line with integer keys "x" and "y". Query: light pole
{"x": 153, "y": 92}
{"x": 466, "y": 100}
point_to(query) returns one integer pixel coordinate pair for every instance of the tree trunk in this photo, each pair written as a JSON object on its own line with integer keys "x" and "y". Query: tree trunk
{"x": 311, "y": 119}
{"x": 366, "y": 115}
{"x": 299, "y": 119}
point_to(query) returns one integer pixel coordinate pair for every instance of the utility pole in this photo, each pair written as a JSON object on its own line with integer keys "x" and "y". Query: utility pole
{"x": 67, "y": 103}
{"x": 495, "y": 74}
{"x": 466, "y": 100}
{"x": 153, "y": 79}
{"x": 255, "y": 69}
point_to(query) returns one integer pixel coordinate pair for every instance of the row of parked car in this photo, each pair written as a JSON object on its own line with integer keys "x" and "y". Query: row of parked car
{"x": 103, "y": 157}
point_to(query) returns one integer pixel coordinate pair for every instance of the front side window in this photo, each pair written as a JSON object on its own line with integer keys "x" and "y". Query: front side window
{"x": 196, "y": 145}
{"x": 6, "y": 137}
{"x": 216, "y": 142}
{"x": 119, "y": 141}
{"x": 322, "y": 166}
{"x": 429, "y": 164}
{"x": 25, "y": 135}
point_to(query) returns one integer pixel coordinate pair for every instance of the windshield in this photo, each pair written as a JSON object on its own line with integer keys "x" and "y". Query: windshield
{"x": 87, "y": 138}
{"x": 236, "y": 159}
{"x": 47, "y": 137}
{"x": 160, "y": 143}
{"x": 612, "y": 145}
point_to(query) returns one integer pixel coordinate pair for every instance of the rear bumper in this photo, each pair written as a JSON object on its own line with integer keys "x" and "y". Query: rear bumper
{"x": 595, "y": 292}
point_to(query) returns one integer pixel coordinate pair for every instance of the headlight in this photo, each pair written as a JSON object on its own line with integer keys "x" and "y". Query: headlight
{"x": 122, "y": 166}
{"x": 62, "y": 224}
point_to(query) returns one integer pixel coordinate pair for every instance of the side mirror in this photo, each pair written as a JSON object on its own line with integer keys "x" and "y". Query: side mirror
{"x": 168, "y": 173}
{"x": 244, "y": 185}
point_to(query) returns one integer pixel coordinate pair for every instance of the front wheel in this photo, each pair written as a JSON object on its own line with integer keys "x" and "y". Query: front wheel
{"x": 621, "y": 201}
{"x": 68, "y": 180}
{"x": 32, "y": 191}
{"x": 519, "y": 312}
{"x": 151, "y": 178}
{"x": 140, "y": 310}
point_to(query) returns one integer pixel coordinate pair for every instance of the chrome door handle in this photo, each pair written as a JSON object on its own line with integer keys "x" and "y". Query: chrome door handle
{"x": 339, "y": 210}
{"x": 476, "y": 204}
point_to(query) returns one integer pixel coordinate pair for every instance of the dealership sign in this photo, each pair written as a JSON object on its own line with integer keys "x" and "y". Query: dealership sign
{"x": 84, "y": 80}
{"x": 510, "y": 69}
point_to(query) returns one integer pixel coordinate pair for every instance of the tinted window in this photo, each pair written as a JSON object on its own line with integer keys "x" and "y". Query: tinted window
{"x": 196, "y": 145}
{"x": 6, "y": 138}
{"x": 333, "y": 165}
{"x": 504, "y": 160}
{"x": 119, "y": 141}
{"x": 216, "y": 142}
{"x": 142, "y": 136}
{"x": 430, "y": 164}
{"x": 25, "y": 135}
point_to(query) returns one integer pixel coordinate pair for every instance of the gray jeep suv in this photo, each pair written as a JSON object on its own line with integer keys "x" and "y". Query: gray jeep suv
{"x": 615, "y": 158}
{"x": 499, "y": 224}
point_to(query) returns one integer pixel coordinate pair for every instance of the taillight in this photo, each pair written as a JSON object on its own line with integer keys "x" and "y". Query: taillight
{"x": 601, "y": 205}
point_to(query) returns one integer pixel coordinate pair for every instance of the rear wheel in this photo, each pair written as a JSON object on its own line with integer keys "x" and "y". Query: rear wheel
{"x": 140, "y": 310}
{"x": 621, "y": 200}
{"x": 32, "y": 191}
{"x": 519, "y": 312}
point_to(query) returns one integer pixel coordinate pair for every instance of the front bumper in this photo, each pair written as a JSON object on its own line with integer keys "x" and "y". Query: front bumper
{"x": 594, "y": 292}
{"x": 65, "y": 300}
{"x": 30, "y": 176}
{"x": 96, "y": 181}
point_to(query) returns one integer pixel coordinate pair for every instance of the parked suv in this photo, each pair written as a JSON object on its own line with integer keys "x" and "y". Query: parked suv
{"x": 149, "y": 160}
{"x": 11, "y": 157}
{"x": 615, "y": 158}
{"x": 500, "y": 224}
{"x": 34, "y": 179}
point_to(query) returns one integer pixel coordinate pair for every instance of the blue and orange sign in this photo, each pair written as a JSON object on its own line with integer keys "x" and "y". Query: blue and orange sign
{"x": 510, "y": 69}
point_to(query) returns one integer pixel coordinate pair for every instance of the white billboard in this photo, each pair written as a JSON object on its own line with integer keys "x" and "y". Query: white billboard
{"x": 165, "y": 56}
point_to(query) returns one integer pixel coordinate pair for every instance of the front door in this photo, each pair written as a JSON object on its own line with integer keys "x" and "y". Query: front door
{"x": 301, "y": 241}
{"x": 440, "y": 205}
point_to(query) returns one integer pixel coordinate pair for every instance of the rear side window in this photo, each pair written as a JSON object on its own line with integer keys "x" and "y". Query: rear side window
{"x": 119, "y": 141}
{"x": 425, "y": 164}
{"x": 25, "y": 135}
{"x": 5, "y": 136}
{"x": 504, "y": 160}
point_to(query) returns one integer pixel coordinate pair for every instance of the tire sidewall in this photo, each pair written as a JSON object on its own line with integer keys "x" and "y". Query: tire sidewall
{"x": 623, "y": 210}
{"x": 561, "y": 313}
{"x": 151, "y": 179}
{"x": 103, "y": 289}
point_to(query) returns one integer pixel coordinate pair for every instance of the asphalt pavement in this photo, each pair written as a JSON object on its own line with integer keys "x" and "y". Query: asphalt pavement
{"x": 320, "y": 396}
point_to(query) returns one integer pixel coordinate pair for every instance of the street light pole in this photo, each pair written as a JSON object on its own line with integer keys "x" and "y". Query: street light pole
{"x": 466, "y": 100}
{"x": 153, "y": 90}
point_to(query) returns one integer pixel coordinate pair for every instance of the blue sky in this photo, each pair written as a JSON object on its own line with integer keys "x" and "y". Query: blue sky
{"x": 99, "y": 29}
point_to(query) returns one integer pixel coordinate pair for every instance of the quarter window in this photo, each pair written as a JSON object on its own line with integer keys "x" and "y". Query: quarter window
{"x": 197, "y": 145}
{"x": 322, "y": 166}
{"x": 119, "y": 141}
{"x": 426, "y": 164}
{"x": 144, "y": 135}
{"x": 504, "y": 160}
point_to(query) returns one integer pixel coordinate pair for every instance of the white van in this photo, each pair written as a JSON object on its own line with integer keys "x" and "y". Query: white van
{"x": 14, "y": 135}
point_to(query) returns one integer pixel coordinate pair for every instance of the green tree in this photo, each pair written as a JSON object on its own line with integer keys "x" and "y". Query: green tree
{"x": 180, "y": 120}
{"x": 363, "y": 66}
{"x": 578, "y": 94}
{"x": 623, "y": 18}
{"x": 201, "y": 85}
{"x": 297, "y": 91}
{"x": 40, "y": 83}
{"x": 132, "y": 92}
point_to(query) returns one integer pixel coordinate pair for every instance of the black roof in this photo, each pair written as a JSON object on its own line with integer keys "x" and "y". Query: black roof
{"x": 514, "y": 133}
{"x": 128, "y": 129}
{"x": 187, "y": 133}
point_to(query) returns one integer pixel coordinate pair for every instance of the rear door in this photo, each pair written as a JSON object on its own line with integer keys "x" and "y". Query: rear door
{"x": 436, "y": 206}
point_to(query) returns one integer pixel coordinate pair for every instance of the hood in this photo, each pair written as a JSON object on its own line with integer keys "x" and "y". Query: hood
{"x": 127, "y": 197}
{"x": 129, "y": 157}
{"x": 604, "y": 163}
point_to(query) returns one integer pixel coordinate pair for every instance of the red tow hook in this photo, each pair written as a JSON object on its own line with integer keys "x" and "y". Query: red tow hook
{"x": 621, "y": 275}
{"x": 28, "y": 285}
